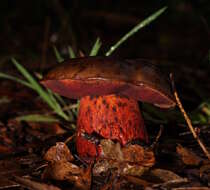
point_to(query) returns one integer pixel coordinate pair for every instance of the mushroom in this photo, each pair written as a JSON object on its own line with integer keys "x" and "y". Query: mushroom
{"x": 109, "y": 91}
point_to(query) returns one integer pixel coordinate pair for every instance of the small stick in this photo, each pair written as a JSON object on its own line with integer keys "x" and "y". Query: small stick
{"x": 69, "y": 139}
{"x": 157, "y": 137}
{"x": 187, "y": 119}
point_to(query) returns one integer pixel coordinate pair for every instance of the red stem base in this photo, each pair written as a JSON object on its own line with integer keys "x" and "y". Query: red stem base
{"x": 111, "y": 117}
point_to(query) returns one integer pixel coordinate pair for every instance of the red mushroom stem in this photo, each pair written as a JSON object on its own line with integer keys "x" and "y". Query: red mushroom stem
{"x": 112, "y": 117}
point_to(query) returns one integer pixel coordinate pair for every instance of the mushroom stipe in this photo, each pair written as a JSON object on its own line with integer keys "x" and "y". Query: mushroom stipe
{"x": 112, "y": 117}
{"x": 109, "y": 91}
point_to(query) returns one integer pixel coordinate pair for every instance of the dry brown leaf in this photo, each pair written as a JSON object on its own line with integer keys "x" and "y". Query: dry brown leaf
{"x": 137, "y": 181}
{"x": 104, "y": 165}
{"x": 66, "y": 171}
{"x": 131, "y": 160}
{"x": 49, "y": 128}
{"x": 132, "y": 169}
{"x": 165, "y": 175}
{"x": 138, "y": 154}
{"x": 171, "y": 184}
{"x": 60, "y": 167}
{"x": 191, "y": 188}
{"x": 131, "y": 153}
{"x": 188, "y": 157}
{"x": 111, "y": 150}
{"x": 30, "y": 184}
{"x": 5, "y": 149}
{"x": 205, "y": 171}
{"x": 59, "y": 152}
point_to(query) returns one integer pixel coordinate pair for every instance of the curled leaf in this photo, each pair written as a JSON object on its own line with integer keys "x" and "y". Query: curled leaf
{"x": 59, "y": 152}
{"x": 187, "y": 156}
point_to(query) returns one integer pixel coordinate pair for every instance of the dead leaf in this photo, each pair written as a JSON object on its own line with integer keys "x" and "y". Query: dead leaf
{"x": 49, "y": 128}
{"x": 111, "y": 150}
{"x": 5, "y": 149}
{"x": 191, "y": 188}
{"x": 205, "y": 172}
{"x": 171, "y": 184}
{"x": 187, "y": 156}
{"x": 132, "y": 169}
{"x": 169, "y": 179}
{"x": 30, "y": 184}
{"x": 138, "y": 154}
{"x": 131, "y": 160}
{"x": 59, "y": 152}
{"x": 66, "y": 171}
{"x": 6, "y": 183}
{"x": 131, "y": 153}
{"x": 165, "y": 175}
{"x": 137, "y": 181}
{"x": 60, "y": 167}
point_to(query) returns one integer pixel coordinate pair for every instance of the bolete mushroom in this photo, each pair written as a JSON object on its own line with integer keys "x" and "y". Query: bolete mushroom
{"x": 109, "y": 91}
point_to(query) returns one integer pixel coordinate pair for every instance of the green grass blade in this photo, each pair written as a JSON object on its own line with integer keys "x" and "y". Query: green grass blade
{"x": 37, "y": 87}
{"x": 51, "y": 96}
{"x": 136, "y": 29}
{"x": 25, "y": 83}
{"x": 71, "y": 52}
{"x": 63, "y": 103}
{"x": 57, "y": 98}
{"x": 58, "y": 55}
{"x": 96, "y": 47}
{"x": 33, "y": 82}
{"x": 37, "y": 118}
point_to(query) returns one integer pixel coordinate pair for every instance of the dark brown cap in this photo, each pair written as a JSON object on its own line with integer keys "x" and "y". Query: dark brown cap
{"x": 138, "y": 79}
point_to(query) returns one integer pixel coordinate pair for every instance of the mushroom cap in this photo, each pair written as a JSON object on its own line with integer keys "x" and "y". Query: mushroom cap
{"x": 94, "y": 76}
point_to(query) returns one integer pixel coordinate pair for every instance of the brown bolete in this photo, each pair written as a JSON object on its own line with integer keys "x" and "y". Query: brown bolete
{"x": 109, "y": 91}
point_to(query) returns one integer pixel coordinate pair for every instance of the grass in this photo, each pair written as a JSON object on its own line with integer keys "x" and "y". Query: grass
{"x": 54, "y": 101}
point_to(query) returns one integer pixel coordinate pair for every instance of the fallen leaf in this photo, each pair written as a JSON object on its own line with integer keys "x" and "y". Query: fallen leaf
{"x": 131, "y": 153}
{"x": 132, "y": 169}
{"x": 205, "y": 172}
{"x": 165, "y": 175}
{"x": 111, "y": 150}
{"x": 187, "y": 156}
{"x": 191, "y": 188}
{"x": 60, "y": 167}
{"x": 50, "y": 128}
{"x": 171, "y": 184}
{"x": 131, "y": 160}
{"x": 59, "y": 152}
{"x": 137, "y": 181}
{"x": 138, "y": 154}
{"x": 30, "y": 184}
{"x": 66, "y": 171}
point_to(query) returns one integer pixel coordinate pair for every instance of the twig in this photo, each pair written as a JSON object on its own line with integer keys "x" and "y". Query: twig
{"x": 203, "y": 128}
{"x": 187, "y": 119}
{"x": 157, "y": 137}
{"x": 69, "y": 139}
